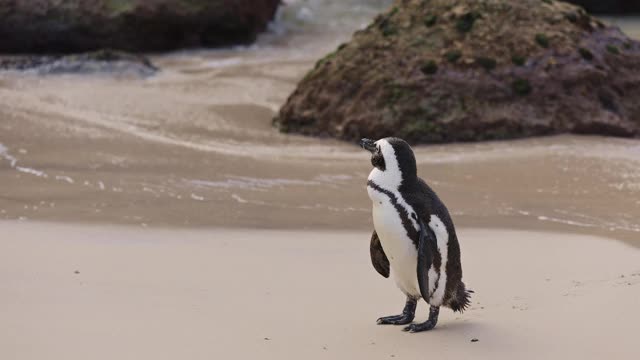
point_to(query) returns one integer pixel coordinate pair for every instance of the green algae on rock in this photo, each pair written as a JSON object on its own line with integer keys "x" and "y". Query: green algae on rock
{"x": 613, "y": 49}
{"x": 586, "y": 54}
{"x": 542, "y": 40}
{"x": 468, "y": 70}
{"x": 486, "y": 62}
{"x": 453, "y": 55}
{"x": 518, "y": 60}
{"x": 430, "y": 67}
{"x": 521, "y": 87}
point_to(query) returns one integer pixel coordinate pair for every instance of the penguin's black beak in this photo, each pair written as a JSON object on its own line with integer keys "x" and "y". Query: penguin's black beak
{"x": 368, "y": 144}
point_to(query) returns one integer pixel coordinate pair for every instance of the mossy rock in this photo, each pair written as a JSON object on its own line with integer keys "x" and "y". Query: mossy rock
{"x": 572, "y": 17}
{"x": 486, "y": 62}
{"x": 542, "y": 40}
{"x": 453, "y": 56}
{"x": 105, "y": 61}
{"x": 521, "y": 87}
{"x": 518, "y": 60}
{"x": 585, "y": 53}
{"x": 430, "y": 20}
{"x": 465, "y": 22}
{"x": 325, "y": 59}
{"x": 473, "y": 70}
{"x": 613, "y": 49}
{"x": 60, "y": 27}
{"x": 429, "y": 68}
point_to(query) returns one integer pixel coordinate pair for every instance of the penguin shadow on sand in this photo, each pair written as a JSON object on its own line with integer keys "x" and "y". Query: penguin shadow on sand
{"x": 414, "y": 240}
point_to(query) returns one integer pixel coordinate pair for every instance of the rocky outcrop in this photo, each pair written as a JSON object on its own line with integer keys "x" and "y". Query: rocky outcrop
{"x": 609, "y": 6}
{"x": 102, "y": 61}
{"x": 440, "y": 70}
{"x": 54, "y": 26}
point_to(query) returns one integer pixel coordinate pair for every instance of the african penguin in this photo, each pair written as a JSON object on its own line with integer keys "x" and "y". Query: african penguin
{"x": 414, "y": 238}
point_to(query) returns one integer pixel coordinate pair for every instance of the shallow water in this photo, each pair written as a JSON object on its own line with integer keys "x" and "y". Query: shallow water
{"x": 194, "y": 146}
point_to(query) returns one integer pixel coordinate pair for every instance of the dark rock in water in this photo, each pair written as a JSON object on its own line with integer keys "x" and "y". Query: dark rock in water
{"x": 103, "y": 61}
{"x": 484, "y": 69}
{"x": 53, "y": 26}
{"x": 609, "y": 6}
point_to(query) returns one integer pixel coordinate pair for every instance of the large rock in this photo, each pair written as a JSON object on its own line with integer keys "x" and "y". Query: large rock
{"x": 60, "y": 26}
{"x": 443, "y": 70}
{"x": 101, "y": 61}
{"x": 609, "y": 6}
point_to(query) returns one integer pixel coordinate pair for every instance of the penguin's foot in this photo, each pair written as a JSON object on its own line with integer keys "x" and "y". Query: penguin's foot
{"x": 406, "y": 317}
{"x": 434, "y": 311}
{"x": 425, "y": 326}
{"x": 395, "y": 320}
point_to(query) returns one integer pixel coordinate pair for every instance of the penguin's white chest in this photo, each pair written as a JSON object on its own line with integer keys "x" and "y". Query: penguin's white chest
{"x": 399, "y": 248}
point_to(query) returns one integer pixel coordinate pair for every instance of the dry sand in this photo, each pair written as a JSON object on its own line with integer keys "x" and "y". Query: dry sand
{"x": 81, "y": 292}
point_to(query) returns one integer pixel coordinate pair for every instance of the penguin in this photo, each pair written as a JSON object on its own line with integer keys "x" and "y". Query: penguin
{"x": 414, "y": 238}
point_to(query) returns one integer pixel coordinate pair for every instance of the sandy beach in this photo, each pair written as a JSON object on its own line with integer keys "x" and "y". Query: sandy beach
{"x": 164, "y": 217}
{"x": 78, "y": 292}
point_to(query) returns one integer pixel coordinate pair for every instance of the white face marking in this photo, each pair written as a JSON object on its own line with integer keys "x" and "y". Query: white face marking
{"x": 442, "y": 239}
{"x": 391, "y": 177}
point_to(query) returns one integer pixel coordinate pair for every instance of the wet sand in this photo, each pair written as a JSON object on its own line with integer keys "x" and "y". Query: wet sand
{"x": 194, "y": 146}
{"x": 77, "y": 292}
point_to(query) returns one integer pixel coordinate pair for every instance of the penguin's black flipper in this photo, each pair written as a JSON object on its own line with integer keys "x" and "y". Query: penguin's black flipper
{"x": 378, "y": 257}
{"x": 425, "y": 259}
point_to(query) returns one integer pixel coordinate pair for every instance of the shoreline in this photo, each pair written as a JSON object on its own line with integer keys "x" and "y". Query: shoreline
{"x": 517, "y": 224}
{"x": 158, "y": 293}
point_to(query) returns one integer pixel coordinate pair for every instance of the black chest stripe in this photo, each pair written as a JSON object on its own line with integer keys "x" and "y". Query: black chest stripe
{"x": 412, "y": 233}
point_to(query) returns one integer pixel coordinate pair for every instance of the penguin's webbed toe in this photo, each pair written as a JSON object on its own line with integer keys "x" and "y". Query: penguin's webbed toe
{"x": 425, "y": 326}
{"x": 408, "y": 313}
{"x": 395, "y": 320}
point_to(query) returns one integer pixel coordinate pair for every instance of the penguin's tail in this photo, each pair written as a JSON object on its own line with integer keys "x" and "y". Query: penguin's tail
{"x": 461, "y": 299}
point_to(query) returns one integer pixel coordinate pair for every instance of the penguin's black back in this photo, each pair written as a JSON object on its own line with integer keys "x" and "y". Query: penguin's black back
{"x": 425, "y": 202}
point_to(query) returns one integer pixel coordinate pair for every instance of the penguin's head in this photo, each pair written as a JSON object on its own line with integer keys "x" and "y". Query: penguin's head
{"x": 392, "y": 159}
